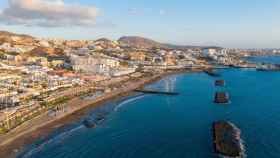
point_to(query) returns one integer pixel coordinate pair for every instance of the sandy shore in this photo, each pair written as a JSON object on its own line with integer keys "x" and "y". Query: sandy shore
{"x": 14, "y": 141}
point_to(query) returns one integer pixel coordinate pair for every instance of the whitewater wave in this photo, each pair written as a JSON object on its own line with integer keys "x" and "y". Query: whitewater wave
{"x": 67, "y": 134}
{"x": 53, "y": 140}
{"x": 128, "y": 101}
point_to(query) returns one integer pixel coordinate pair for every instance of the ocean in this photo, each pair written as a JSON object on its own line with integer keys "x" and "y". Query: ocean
{"x": 152, "y": 126}
{"x": 265, "y": 59}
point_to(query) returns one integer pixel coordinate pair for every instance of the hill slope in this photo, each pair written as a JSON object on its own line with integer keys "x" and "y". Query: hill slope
{"x": 141, "y": 42}
{"x": 15, "y": 38}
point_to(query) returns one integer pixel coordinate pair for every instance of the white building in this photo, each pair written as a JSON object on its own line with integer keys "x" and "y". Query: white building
{"x": 94, "y": 64}
{"x": 122, "y": 72}
{"x": 9, "y": 100}
{"x": 44, "y": 43}
{"x": 209, "y": 52}
{"x": 16, "y": 48}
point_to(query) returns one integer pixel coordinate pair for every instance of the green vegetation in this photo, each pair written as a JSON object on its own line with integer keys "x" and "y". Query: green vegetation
{"x": 45, "y": 106}
{"x": 36, "y": 112}
{"x": 12, "y": 53}
{"x": 57, "y": 101}
{"x": 124, "y": 64}
{"x": 3, "y": 130}
{"x": 2, "y": 55}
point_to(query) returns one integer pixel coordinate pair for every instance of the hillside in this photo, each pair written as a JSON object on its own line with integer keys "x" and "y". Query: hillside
{"x": 46, "y": 52}
{"x": 105, "y": 40}
{"x": 139, "y": 42}
{"x": 6, "y": 33}
{"x": 15, "y": 38}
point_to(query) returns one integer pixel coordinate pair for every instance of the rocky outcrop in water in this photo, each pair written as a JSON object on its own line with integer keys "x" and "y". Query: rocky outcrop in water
{"x": 212, "y": 73}
{"x": 227, "y": 141}
{"x": 220, "y": 83}
{"x": 221, "y": 98}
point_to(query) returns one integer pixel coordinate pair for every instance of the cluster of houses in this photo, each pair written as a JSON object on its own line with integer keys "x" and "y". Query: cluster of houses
{"x": 26, "y": 82}
{"x": 59, "y": 63}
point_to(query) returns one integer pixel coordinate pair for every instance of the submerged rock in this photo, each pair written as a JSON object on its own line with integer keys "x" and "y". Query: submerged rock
{"x": 227, "y": 141}
{"x": 89, "y": 123}
{"x": 220, "y": 83}
{"x": 221, "y": 97}
{"x": 211, "y": 72}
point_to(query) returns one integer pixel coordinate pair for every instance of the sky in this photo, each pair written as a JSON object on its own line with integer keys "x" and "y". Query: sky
{"x": 226, "y": 23}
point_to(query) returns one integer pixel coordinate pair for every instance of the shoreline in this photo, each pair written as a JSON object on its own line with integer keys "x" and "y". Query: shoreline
{"x": 13, "y": 142}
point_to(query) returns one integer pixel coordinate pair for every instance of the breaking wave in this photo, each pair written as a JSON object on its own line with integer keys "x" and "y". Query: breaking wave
{"x": 53, "y": 140}
{"x": 128, "y": 101}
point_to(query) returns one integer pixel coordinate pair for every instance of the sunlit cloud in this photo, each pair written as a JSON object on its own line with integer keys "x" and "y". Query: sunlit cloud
{"x": 48, "y": 13}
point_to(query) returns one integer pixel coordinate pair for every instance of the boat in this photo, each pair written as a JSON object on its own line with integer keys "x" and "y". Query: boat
{"x": 227, "y": 141}
{"x": 221, "y": 98}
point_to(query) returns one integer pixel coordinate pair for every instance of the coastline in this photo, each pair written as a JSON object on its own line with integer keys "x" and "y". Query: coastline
{"x": 14, "y": 141}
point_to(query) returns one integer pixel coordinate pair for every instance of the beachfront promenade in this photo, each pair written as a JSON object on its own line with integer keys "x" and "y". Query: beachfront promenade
{"x": 73, "y": 105}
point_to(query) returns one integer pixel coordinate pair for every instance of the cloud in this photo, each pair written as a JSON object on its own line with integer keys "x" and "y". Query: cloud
{"x": 47, "y": 13}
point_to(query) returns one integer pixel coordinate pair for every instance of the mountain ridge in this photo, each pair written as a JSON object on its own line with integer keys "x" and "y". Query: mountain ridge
{"x": 142, "y": 42}
{"x": 133, "y": 41}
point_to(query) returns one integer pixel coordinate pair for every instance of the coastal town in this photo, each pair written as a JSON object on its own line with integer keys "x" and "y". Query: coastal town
{"x": 47, "y": 79}
{"x": 41, "y": 75}
{"x": 139, "y": 79}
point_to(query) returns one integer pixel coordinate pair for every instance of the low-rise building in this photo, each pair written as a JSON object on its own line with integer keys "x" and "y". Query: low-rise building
{"x": 170, "y": 59}
{"x": 94, "y": 64}
{"x": 137, "y": 56}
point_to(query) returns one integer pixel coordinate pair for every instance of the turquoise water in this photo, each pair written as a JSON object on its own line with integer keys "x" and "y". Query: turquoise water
{"x": 150, "y": 126}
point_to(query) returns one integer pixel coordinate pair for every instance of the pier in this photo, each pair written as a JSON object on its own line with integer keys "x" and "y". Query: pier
{"x": 155, "y": 92}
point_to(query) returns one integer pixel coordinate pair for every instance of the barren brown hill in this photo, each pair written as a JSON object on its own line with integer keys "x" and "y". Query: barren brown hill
{"x": 106, "y": 43}
{"x": 139, "y": 42}
{"x": 105, "y": 40}
{"x": 16, "y": 38}
{"x": 6, "y": 33}
{"x": 46, "y": 52}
